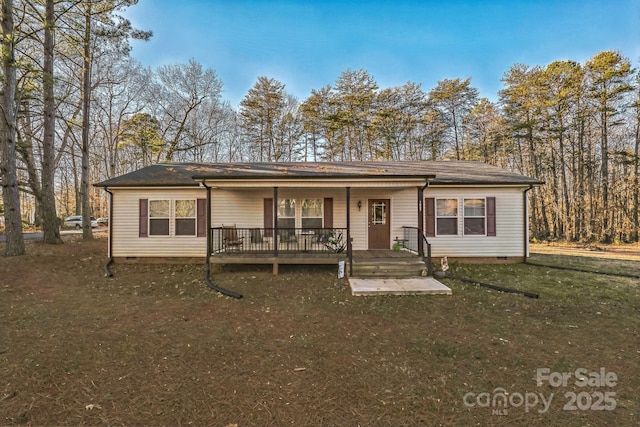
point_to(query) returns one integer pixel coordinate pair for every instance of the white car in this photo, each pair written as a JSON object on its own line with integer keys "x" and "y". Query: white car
{"x": 75, "y": 221}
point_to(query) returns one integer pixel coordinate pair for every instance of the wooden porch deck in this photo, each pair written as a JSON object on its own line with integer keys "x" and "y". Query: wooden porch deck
{"x": 233, "y": 245}
{"x": 297, "y": 257}
{"x": 301, "y": 258}
{"x": 284, "y": 258}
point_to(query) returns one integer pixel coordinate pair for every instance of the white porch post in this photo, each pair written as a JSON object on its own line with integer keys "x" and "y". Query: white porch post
{"x": 275, "y": 230}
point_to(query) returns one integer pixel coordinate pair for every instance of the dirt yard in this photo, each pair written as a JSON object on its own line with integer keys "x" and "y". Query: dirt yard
{"x": 154, "y": 346}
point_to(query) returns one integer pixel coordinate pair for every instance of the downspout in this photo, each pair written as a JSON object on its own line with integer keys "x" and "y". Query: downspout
{"x": 349, "y": 245}
{"x": 526, "y": 223}
{"x": 107, "y": 270}
{"x": 207, "y": 277}
{"x": 421, "y": 216}
{"x": 427, "y": 258}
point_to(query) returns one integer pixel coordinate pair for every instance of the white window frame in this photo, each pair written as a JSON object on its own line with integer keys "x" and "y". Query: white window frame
{"x": 176, "y": 218}
{"x": 172, "y": 228}
{"x": 295, "y": 211}
{"x": 484, "y": 217}
{"x": 150, "y": 218}
{"x": 298, "y": 210}
{"x": 456, "y": 217}
{"x": 321, "y": 216}
{"x": 385, "y": 212}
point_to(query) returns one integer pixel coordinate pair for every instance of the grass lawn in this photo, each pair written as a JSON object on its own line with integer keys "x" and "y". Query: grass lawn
{"x": 154, "y": 346}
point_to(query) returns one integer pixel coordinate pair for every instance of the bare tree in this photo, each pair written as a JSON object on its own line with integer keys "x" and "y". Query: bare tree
{"x": 184, "y": 90}
{"x": 50, "y": 223}
{"x": 116, "y": 31}
{"x": 122, "y": 93}
{"x": 10, "y": 192}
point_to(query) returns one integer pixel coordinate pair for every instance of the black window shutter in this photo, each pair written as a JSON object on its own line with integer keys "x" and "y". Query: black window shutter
{"x": 268, "y": 217}
{"x": 430, "y": 216}
{"x": 143, "y": 223}
{"x": 328, "y": 212}
{"x": 491, "y": 216}
{"x": 201, "y": 217}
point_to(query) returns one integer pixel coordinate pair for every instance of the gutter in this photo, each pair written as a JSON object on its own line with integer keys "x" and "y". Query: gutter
{"x": 107, "y": 270}
{"x": 207, "y": 277}
{"x": 305, "y": 177}
{"x": 426, "y": 181}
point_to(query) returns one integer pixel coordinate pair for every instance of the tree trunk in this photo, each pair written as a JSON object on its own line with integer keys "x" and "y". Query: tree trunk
{"x": 565, "y": 187}
{"x": 51, "y": 223}
{"x": 455, "y": 132}
{"x": 606, "y": 232}
{"x": 579, "y": 178}
{"x": 10, "y": 191}
{"x": 636, "y": 179}
{"x": 86, "y": 106}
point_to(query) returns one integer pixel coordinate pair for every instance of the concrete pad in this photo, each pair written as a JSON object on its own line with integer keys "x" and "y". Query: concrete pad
{"x": 390, "y": 286}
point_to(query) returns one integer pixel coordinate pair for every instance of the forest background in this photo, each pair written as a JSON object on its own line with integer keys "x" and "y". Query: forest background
{"x": 77, "y": 108}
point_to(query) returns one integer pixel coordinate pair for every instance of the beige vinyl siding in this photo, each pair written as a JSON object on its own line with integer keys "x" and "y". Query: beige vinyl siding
{"x": 404, "y": 212}
{"x": 125, "y": 241}
{"x": 509, "y": 239}
{"x": 245, "y": 208}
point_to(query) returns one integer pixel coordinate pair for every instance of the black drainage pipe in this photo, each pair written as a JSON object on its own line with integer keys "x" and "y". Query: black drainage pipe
{"x": 632, "y": 276}
{"x": 207, "y": 277}
{"x": 497, "y": 288}
{"x": 217, "y": 288}
{"x": 107, "y": 270}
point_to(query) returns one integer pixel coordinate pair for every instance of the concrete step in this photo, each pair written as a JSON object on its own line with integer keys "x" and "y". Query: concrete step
{"x": 397, "y": 286}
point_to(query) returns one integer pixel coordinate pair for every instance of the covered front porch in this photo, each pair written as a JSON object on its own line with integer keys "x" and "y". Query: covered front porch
{"x": 320, "y": 222}
{"x": 256, "y": 245}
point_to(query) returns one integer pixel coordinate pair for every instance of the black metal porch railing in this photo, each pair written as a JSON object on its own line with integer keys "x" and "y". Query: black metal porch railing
{"x": 233, "y": 240}
{"x": 414, "y": 237}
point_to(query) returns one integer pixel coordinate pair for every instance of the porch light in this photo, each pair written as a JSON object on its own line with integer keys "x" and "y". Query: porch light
{"x": 359, "y": 205}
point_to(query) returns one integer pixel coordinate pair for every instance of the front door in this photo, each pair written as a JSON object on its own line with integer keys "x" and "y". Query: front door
{"x": 379, "y": 224}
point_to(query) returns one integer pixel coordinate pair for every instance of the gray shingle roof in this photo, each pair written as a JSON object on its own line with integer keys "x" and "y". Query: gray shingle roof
{"x": 439, "y": 172}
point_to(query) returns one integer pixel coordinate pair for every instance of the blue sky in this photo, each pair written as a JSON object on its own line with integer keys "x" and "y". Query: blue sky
{"x": 307, "y": 44}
